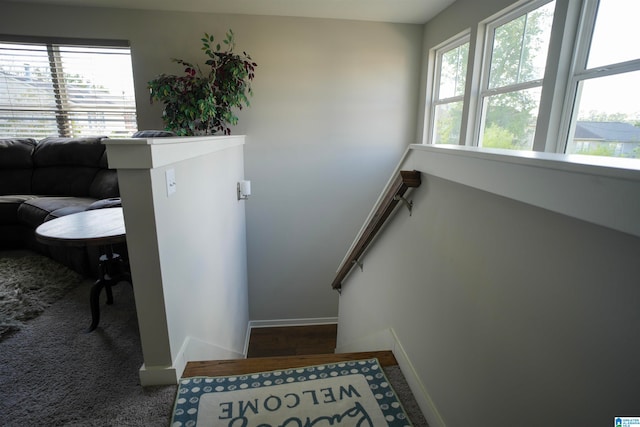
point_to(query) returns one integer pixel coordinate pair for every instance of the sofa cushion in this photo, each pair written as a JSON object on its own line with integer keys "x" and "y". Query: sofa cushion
{"x": 66, "y": 166}
{"x": 105, "y": 184}
{"x": 63, "y": 181}
{"x": 9, "y": 207}
{"x": 16, "y": 165}
{"x": 54, "y": 151}
{"x": 36, "y": 211}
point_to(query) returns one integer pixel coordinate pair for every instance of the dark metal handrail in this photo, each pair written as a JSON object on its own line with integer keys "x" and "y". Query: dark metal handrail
{"x": 395, "y": 193}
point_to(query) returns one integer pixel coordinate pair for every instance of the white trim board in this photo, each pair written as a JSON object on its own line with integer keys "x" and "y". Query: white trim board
{"x": 274, "y": 323}
{"x": 387, "y": 339}
{"x": 150, "y": 376}
{"x": 603, "y": 191}
{"x": 150, "y": 153}
{"x": 192, "y": 349}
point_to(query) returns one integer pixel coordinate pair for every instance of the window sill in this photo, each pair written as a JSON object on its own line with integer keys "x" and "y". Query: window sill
{"x": 601, "y": 190}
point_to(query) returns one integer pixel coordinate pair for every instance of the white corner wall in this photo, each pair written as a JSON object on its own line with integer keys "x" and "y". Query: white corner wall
{"x": 187, "y": 249}
{"x": 505, "y": 307}
{"x": 334, "y": 109}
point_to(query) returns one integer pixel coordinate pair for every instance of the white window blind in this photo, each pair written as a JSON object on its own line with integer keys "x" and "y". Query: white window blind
{"x": 49, "y": 89}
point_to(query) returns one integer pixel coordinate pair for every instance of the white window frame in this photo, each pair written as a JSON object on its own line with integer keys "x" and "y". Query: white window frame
{"x": 436, "y": 54}
{"x": 579, "y": 72}
{"x": 572, "y": 28}
{"x": 488, "y": 28}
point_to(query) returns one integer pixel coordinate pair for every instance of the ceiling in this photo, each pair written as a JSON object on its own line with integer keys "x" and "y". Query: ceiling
{"x": 401, "y": 11}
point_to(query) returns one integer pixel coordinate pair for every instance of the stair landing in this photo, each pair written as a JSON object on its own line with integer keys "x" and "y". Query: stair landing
{"x": 218, "y": 368}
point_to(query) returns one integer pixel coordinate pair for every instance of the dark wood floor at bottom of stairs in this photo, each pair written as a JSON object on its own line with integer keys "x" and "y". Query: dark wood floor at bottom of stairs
{"x": 282, "y": 348}
{"x": 292, "y": 340}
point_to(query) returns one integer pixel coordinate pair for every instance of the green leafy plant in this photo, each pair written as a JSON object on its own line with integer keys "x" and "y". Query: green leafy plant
{"x": 203, "y": 102}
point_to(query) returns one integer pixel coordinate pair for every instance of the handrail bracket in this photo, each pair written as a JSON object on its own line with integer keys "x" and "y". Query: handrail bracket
{"x": 407, "y": 203}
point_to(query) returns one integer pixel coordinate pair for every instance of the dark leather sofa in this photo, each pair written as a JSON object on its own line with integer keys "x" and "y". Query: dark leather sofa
{"x": 47, "y": 179}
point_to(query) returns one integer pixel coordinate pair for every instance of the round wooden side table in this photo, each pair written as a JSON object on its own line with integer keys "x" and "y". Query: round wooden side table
{"x": 102, "y": 228}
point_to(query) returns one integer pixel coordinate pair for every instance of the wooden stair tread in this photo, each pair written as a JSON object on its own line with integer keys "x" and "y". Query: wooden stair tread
{"x": 216, "y": 368}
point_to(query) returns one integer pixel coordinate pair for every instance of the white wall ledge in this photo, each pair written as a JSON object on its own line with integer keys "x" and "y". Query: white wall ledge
{"x": 604, "y": 191}
{"x": 149, "y": 153}
{"x": 614, "y": 167}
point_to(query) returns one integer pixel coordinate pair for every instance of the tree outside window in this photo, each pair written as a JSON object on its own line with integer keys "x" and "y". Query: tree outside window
{"x": 513, "y": 84}
{"x": 449, "y": 84}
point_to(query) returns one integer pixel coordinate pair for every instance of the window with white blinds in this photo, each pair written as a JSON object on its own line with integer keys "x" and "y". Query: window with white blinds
{"x": 51, "y": 89}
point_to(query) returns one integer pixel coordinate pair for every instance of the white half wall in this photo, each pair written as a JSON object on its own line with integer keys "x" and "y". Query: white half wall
{"x": 187, "y": 249}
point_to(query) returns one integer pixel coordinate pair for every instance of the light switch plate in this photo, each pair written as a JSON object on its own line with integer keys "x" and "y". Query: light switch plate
{"x": 171, "y": 181}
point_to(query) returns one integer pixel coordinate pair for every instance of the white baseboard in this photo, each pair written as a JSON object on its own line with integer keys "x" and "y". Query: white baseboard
{"x": 387, "y": 339}
{"x": 381, "y": 340}
{"x": 196, "y": 349}
{"x": 292, "y": 322}
{"x": 158, "y": 375}
{"x": 274, "y": 323}
{"x": 192, "y": 349}
{"x": 418, "y": 389}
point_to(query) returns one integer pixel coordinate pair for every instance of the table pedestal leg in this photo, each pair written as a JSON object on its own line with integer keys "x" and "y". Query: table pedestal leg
{"x": 112, "y": 270}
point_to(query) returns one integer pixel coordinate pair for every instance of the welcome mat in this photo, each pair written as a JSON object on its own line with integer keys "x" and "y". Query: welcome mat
{"x": 354, "y": 393}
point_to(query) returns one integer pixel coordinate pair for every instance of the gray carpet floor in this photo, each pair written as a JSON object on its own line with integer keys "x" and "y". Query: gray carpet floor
{"x": 29, "y": 283}
{"x": 55, "y": 374}
{"x": 52, "y": 373}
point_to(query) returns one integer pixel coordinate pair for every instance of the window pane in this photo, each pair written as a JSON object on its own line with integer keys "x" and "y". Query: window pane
{"x": 453, "y": 72}
{"x": 446, "y": 127}
{"x": 520, "y": 47}
{"x": 510, "y": 119}
{"x": 608, "y": 117}
{"x": 616, "y": 33}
